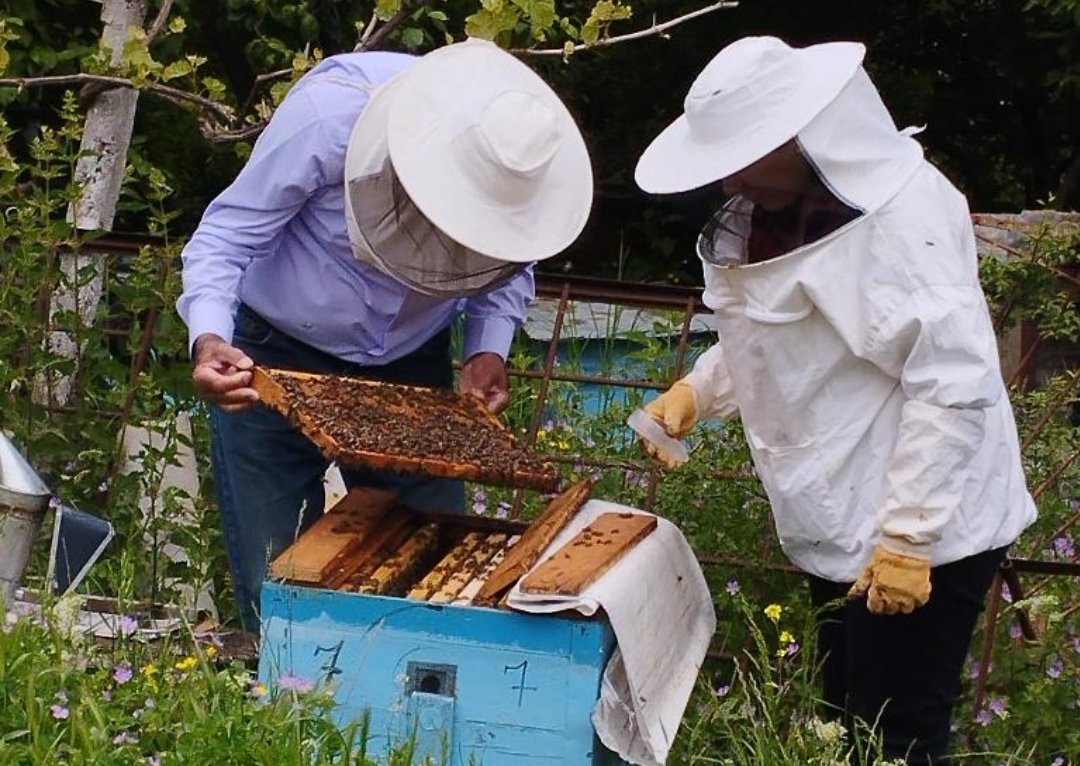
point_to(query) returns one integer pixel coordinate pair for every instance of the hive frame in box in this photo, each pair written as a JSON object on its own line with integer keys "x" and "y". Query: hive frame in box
{"x": 268, "y": 383}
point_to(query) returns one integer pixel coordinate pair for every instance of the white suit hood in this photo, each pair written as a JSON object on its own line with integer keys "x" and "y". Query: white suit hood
{"x": 856, "y": 149}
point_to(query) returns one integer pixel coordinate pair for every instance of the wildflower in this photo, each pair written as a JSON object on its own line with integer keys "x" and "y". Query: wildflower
{"x": 1015, "y": 631}
{"x": 149, "y": 670}
{"x": 831, "y": 731}
{"x": 786, "y": 637}
{"x": 733, "y": 587}
{"x": 258, "y": 689}
{"x": 149, "y": 704}
{"x": 186, "y": 664}
{"x": 1053, "y": 670}
{"x": 123, "y": 738}
{"x": 773, "y": 612}
{"x": 503, "y": 510}
{"x": 1064, "y": 547}
{"x": 155, "y": 760}
{"x": 59, "y": 711}
{"x": 106, "y": 695}
{"x": 61, "y": 696}
{"x": 296, "y": 683}
{"x": 983, "y": 717}
{"x": 122, "y": 673}
{"x": 722, "y": 690}
{"x": 479, "y": 501}
{"x": 1059, "y": 760}
{"x": 128, "y": 625}
{"x": 999, "y": 707}
{"x": 792, "y": 649}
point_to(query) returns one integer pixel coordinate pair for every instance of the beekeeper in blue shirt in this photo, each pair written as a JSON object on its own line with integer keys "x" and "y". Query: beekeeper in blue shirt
{"x": 856, "y": 346}
{"x": 387, "y": 196}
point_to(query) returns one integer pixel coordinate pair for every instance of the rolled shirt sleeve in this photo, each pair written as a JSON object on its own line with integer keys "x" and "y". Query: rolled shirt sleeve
{"x": 491, "y": 319}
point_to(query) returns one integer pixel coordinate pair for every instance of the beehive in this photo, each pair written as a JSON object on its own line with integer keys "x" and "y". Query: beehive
{"x": 398, "y": 611}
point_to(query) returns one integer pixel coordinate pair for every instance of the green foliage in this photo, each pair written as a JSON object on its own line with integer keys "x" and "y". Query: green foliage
{"x": 65, "y": 700}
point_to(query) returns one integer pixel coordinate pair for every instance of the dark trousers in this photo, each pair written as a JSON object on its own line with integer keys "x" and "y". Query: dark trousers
{"x": 269, "y": 476}
{"x": 902, "y": 672}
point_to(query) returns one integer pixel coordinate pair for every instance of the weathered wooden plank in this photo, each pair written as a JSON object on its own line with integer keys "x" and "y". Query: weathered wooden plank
{"x": 385, "y": 538}
{"x": 334, "y": 535}
{"x": 469, "y": 592}
{"x": 590, "y": 553}
{"x": 394, "y": 574}
{"x": 520, "y": 559}
{"x": 472, "y": 567}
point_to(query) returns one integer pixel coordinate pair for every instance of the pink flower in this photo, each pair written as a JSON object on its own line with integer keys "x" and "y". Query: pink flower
{"x": 983, "y": 717}
{"x": 296, "y": 683}
{"x": 59, "y": 711}
{"x": 122, "y": 674}
{"x": 733, "y": 587}
{"x": 1053, "y": 670}
{"x": 128, "y": 625}
{"x": 123, "y": 738}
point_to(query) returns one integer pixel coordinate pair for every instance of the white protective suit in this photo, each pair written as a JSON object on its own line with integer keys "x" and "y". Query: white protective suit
{"x": 864, "y": 365}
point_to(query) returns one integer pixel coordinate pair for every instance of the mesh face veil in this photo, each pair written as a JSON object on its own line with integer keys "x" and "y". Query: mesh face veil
{"x": 402, "y": 243}
{"x": 723, "y": 239}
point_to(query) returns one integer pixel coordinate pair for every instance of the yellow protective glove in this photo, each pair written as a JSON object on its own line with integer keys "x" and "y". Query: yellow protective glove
{"x": 893, "y": 582}
{"x": 676, "y": 409}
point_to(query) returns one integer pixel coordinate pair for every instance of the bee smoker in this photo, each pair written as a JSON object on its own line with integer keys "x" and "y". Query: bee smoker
{"x": 24, "y": 498}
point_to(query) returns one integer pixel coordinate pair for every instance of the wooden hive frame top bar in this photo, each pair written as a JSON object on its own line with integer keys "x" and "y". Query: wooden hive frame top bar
{"x": 405, "y": 429}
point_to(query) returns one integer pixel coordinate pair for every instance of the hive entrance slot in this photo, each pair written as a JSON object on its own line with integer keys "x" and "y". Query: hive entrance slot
{"x": 432, "y": 678}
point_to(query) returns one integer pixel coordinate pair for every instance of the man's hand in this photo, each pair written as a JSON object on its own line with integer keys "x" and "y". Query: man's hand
{"x": 893, "y": 582}
{"x": 222, "y": 374}
{"x": 484, "y": 376}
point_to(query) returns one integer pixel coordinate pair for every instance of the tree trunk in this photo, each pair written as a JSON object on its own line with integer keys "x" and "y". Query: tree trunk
{"x": 100, "y": 173}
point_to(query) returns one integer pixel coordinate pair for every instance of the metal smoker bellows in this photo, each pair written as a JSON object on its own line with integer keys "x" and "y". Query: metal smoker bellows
{"x": 23, "y": 500}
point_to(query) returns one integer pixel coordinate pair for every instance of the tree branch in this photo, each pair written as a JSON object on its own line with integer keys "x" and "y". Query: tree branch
{"x": 159, "y": 21}
{"x": 372, "y": 37}
{"x": 655, "y": 29}
{"x": 173, "y": 94}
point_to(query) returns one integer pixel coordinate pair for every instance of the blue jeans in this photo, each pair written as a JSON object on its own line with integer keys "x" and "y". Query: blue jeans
{"x": 269, "y": 476}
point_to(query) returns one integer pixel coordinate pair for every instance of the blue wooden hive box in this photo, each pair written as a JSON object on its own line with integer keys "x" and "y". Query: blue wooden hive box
{"x": 466, "y": 685}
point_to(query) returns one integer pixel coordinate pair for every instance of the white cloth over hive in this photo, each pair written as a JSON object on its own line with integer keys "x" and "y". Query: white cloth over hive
{"x": 661, "y": 612}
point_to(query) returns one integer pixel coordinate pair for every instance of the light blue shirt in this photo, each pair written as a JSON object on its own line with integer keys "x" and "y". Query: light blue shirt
{"x": 276, "y": 239}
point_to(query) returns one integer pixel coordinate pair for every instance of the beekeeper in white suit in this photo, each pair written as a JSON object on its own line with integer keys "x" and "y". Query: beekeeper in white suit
{"x": 856, "y": 347}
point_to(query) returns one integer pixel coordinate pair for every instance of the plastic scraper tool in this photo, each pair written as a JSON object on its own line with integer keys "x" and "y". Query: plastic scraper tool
{"x": 647, "y": 427}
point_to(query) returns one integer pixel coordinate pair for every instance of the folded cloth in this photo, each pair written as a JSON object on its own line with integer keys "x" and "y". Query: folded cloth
{"x": 661, "y": 612}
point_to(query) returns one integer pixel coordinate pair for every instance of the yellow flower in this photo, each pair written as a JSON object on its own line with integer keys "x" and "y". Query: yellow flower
{"x": 149, "y": 670}
{"x": 258, "y": 689}
{"x": 786, "y": 637}
{"x": 773, "y": 612}
{"x": 186, "y": 664}
{"x": 211, "y": 652}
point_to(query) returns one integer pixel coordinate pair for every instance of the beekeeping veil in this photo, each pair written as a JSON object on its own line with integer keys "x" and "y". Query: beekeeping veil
{"x": 756, "y": 95}
{"x": 463, "y": 170}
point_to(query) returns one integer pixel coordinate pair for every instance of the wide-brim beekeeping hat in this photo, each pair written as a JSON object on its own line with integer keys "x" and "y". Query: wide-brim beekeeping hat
{"x": 754, "y": 96}
{"x": 484, "y": 151}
